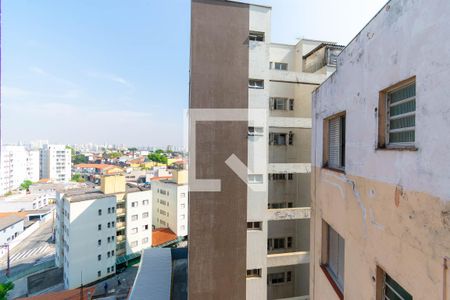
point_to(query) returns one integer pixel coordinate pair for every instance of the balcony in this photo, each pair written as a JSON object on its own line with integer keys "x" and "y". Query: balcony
{"x": 287, "y": 259}
{"x": 120, "y": 211}
{"x": 120, "y": 225}
{"x": 296, "y": 77}
{"x": 294, "y": 213}
{"x": 120, "y": 238}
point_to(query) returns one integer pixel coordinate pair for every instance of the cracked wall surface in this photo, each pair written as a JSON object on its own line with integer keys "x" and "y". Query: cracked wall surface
{"x": 392, "y": 207}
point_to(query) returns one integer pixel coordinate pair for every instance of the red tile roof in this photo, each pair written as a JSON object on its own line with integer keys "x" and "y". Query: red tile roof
{"x": 94, "y": 166}
{"x": 161, "y": 236}
{"x": 160, "y": 178}
{"x": 64, "y": 295}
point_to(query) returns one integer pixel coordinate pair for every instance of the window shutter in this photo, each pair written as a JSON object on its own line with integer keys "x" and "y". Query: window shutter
{"x": 291, "y": 104}
{"x": 272, "y": 104}
{"x": 291, "y": 138}
{"x": 334, "y": 143}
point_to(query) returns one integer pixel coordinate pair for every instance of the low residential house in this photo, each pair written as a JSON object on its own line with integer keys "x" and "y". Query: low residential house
{"x": 10, "y": 228}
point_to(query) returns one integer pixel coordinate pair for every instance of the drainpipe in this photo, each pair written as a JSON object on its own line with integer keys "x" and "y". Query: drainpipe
{"x": 444, "y": 287}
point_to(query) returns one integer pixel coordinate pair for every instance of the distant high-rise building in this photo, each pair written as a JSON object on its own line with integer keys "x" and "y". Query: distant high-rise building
{"x": 250, "y": 241}
{"x": 56, "y": 163}
{"x": 17, "y": 165}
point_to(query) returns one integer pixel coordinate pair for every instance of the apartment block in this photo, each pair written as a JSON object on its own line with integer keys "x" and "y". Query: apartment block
{"x": 56, "y": 163}
{"x": 258, "y": 225}
{"x": 17, "y": 164}
{"x": 85, "y": 236}
{"x": 170, "y": 203}
{"x": 111, "y": 223}
{"x": 380, "y": 215}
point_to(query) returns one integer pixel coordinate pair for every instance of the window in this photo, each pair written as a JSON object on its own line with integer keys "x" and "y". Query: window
{"x": 144, "y": 202}
{"x": 109, "y": 254}
{"x": 281, "y": 176}
{"x": 182, "y": 205}
{"x": 280, "y": 66}
{"x": 256, "y": 83}
{"x": 256, "y": 36}
{"x": 99, "y": 273}
{"x": 99, "y": 212}
{"x": 134, "y": 217}
{"x": 113, "y": 238}
{"x": 182, "y": 217}
{"x": 182, "y": 195}
{"x": 254, "y": 225}
{"x": 134, "y": 244}
{"x": 109, "y": 210}
{"x": 397, "y": 115}
{"x": 278, "y": 205}
{"x": 113, "y": 209}
{"x": 334, "y": 258}
{"x": 145, "y": 215}
{"x": 112, "y": 252}
{"x": 145, "y": 227}
{"x": 255, "y": 131}
{"x": 112, "y": 268}
{"x": 134, "y": 230}
{"x": 99, "y": 242}
{"x": 107, "y": 270}
{"x": 253, "y": 273}
{"x": 281, "y": 138}
{"x": 277, "y": 103}
{"x": 279, "y": 278}
{"x": 134, "y": 204}
{"x": 109, "y": 225}
{"x": 145, "y": 240}
{"x": 279, "y": 243}
{"x": 109, "y": 239}
{"x": 99, "y": 257}
{"x": 389, "y": 289}
{"x": 255, "y": 178}
{"x": 334, "y": 142}
{"x": 99, "y": 226}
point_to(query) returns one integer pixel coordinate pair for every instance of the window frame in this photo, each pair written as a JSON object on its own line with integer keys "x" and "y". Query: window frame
{"x": 255, "y": 83}
{"x": 381, "y": 286}
{"x": 324, "y": 264}
{"x": 254, "y": 273}
{"x": 256, "y": 36}
{"x": 326, "y": 140}
{"x": 383, "y": 117}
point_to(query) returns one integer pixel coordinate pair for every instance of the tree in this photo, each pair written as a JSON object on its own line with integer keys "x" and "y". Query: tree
{"x": 158, "y": 157}
{"x": 26, "y": 185}
{"x": 132, "y": 149}
{"x": 4, "y": 289}
{"x": 72, "y": 150}
{"x": 79, "y": 159}
{"x": 78, "y": 178}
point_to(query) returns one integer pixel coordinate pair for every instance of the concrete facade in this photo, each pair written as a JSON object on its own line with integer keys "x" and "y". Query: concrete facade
{"x": 389, "y": 204}
{"x": 278, "y": 158}
{"x": 170, "y": 203}
{"x": 56, "y": 163}
{"x": 17, "y": 164}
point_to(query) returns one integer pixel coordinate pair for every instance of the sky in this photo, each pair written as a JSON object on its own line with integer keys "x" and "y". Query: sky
{"x": 117, "y": 72}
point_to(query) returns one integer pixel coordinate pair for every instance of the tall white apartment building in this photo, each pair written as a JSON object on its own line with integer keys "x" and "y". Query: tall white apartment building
{"x": 170, "y": 203}
{"x": 17, "y": 164}
{"x": 56, "y": 163}
{"x": 260, "y": 230}
{"x": 85, "y": 236}
{"x": 97, "y": 229}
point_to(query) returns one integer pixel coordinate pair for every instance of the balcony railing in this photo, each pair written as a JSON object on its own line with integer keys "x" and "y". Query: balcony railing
{"x": 287, "y": 259}
{"x": 120, "y": 211}
{"x": 120, "y": 225}
{"x": 294, "y": 213}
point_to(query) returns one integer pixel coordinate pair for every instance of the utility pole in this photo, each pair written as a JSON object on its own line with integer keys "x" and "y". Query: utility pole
{"x": 6, "y": 245}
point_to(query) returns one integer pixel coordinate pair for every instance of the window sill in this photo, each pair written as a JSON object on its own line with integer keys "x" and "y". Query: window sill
{"x": 332, "y": 282}
{"x": 397, "y": 148}
{"x": 255, "y": 88}
{"x": 342, "y": 171}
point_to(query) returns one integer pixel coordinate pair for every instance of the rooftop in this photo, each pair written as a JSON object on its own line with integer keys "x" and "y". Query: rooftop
{"x": 7, "y": 221}
{"x": 161, "y": 236}
{"x": 64, "y": 295}
{"x": 162, "y": 274}
{"x": 94, "y": 166}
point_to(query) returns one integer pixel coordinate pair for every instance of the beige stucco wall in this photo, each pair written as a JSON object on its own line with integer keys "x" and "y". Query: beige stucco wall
{"x": 405, "y": 232}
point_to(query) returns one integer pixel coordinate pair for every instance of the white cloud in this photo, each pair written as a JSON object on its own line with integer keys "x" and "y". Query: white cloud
{"x": 111, "y": 77}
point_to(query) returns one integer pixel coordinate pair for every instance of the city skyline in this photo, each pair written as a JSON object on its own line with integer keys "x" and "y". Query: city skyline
{"x": 64, "y": 72}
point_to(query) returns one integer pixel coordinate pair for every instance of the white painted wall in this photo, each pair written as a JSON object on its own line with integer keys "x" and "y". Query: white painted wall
{"x": 136, "y": 241}
{"x": 409, "y": 41}
{"x": 56, "y": 163}
{"x": 81, "y": 235}
{"x": 173, "y": 200}
{"x": 10, "y": 233}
